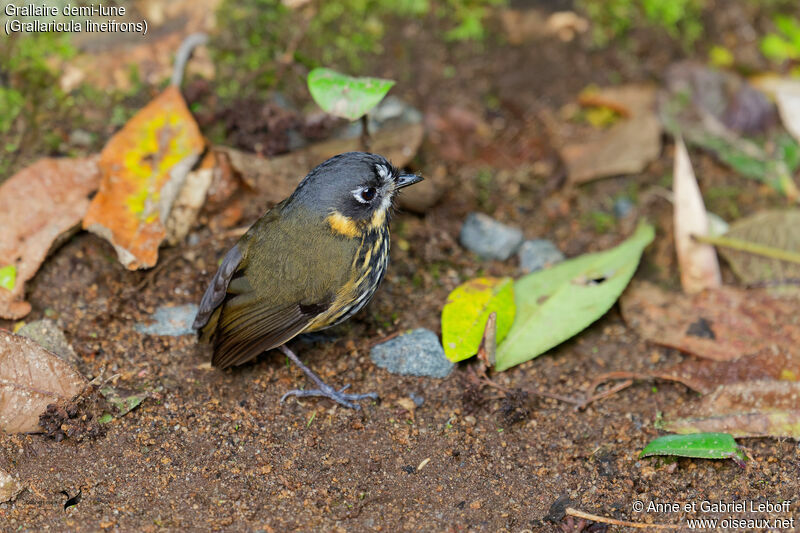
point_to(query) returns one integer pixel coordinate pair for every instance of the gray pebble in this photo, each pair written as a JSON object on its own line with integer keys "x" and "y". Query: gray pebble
{"x": 49, "y": 336}
{"x": 622, "y": 206}
{"x": 417, "y": 399}
{"x": 489, "y": 238}
{"x": 537, "y": 254}
{"x": 171, "y": 321}
{"x": 416, "y": 353}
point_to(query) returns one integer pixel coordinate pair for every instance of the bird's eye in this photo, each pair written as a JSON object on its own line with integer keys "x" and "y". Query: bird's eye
{"x": 368, "y": 194}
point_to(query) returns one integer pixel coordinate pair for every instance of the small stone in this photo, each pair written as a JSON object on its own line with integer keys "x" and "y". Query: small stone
{"x": 622, "y": 206}
{"x": 9, "y": 487}
{"x": 171, "y": 321}
{"x": 49, "y": 336}
{"x": 537, "y": 254}
{"x": 489, "y": 238}
{"x": 416, "y": 353}
{"x": 417, "y": 399}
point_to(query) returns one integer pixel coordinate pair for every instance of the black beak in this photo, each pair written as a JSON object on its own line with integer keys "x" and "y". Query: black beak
{"x": 407, "y": 179}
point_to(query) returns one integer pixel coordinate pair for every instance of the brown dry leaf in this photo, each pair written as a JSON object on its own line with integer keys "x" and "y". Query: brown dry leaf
{"x": 144, "y": 166}
{"x": 30, "y": 379}
{"x": 488, "y": 349}
{"x": 278, "y": 176}
{"x": 627, "y": 147}
{"x": 751, "y": 409}
{"x": 190, "y": 199}
{"x": 697, "y": 262}
{"x": 704, "y": 375}
{"x": 777, "y": 229}
{"x": 407, "y": 404}
{"x": 722, "y": 324}
{"x": 38, "y": 205}
{"x": 9, "y": 487}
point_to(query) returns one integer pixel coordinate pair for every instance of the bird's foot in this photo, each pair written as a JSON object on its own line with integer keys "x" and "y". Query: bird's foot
{"x": 337, "y": 396}
{"x": 324, "y": 390}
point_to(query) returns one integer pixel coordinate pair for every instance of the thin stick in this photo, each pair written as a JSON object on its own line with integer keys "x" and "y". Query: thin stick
{"x": 750, "y": 247}
{"x": 365, "y": 141}
{"x": 565, "y": 399}
{"x": 605, "y": 394}
{"x": 614, "y": 522}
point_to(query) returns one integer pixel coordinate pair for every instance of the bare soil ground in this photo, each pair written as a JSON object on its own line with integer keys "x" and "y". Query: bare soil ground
{"x": 214, "y": 449}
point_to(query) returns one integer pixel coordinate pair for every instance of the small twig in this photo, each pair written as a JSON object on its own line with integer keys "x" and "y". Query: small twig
{"x": 750, "y": 247}
{"x": 614, "y": 522}
{"x": 566, "y": 399}
{"x": 773, "y": 283}
{"x": 605, "y": 394}
{"x": 183, "y": 54}
{"x": 365, "y": 141}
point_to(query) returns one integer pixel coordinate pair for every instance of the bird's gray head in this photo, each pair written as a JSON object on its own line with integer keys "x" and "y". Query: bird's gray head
{"x": 352, "y": 191}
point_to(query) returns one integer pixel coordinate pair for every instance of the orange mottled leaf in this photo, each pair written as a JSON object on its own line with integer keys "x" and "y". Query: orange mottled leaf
{"x": 144, "y": 166}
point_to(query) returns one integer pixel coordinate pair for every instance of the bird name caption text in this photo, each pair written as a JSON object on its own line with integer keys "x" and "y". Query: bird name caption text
{"x": 720, "y": 514}
{"x": 69, "y": 18}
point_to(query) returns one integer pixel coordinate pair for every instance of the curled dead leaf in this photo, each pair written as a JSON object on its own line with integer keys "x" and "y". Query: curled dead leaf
{"x": 144, "y": 166}
{"x": 38, "y": 205}
{"x": 278, "y": 176}
{"x": 30, "y": 379}
{"x": 697, "y": 261}
{"x": 625, "y": 148}
{"x": 722, "y": 324}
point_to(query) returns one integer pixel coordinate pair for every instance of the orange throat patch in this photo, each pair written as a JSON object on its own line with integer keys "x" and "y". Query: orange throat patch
{"x": 342, "y": 225}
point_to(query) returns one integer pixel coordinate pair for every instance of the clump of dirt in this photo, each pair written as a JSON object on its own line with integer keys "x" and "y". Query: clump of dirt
{"x": 76, "y": 419}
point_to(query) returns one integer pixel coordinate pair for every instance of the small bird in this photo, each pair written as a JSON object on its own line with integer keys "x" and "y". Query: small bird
{"x": 311, "y": 262}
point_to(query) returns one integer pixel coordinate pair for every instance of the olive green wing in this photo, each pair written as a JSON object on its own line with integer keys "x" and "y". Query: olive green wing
{"x": 262, "y": 295}
{"x": 247, "y": 326}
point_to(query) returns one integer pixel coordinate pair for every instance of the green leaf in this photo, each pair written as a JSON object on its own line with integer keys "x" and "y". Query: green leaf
{"x": 8, "y": 277}
{"x": 700, "y": 445}
{"x": 467, "y": 309}
{"x": 105, "y": 418}
{"x": 346, "y": 96}
{"x": 556, "y": 303}
{"x": 123, "y": 402}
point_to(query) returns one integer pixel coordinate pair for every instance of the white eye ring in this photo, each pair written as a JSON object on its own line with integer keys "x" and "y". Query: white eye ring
{"x": 359, "y": 193}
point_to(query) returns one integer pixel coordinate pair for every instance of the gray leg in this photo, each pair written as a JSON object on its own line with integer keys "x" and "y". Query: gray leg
{"x": 323, "y": 389}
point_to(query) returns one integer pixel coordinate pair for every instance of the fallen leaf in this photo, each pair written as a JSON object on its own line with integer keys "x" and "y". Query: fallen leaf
{"x": 787, "y": 97}
{"x": 698, "y": 262}
{"x": 465, "y": 315}
{"x": 190, "y": 199}
{"x": 346, "y": 96}
{"x": 277, "y": 177}
{"x": 407, "y": 404}
{"x": 487, "y": 351}
{"x": 625, "y": 148}
{"x": 720, "y": 94}
{"x": 38, "y": 205}
{"x": 778, "y": 229}
{"x": 751, "y": 409}
{"x": 705, "y": 375}
{"x": 144, "y": 166}
{"x": 712, "y": 111}
{"x": 556, "y": 303}
{"x": 697, "y": 445}
{"x": 722, "y": 324}
{"x": 30, "y": 379}
{"x": 123, "y": 401}
{"x": 9, "y": 487}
